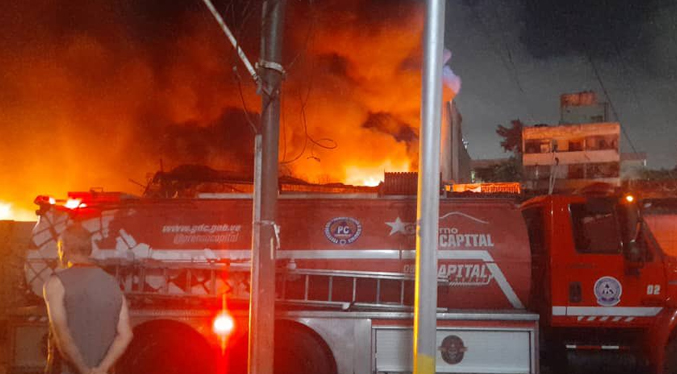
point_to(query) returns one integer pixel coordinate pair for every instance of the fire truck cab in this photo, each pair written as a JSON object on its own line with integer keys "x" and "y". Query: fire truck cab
{"x": 604, "y": 277}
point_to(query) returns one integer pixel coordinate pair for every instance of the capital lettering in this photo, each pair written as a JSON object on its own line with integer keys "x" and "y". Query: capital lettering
{"x": 475, "y": 271}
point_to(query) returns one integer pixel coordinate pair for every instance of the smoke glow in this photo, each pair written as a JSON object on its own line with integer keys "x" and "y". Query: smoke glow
{"x": 9, "y": 212}
{"x": 95, "y": 95}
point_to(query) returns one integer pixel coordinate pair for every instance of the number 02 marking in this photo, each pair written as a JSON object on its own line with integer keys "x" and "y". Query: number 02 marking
{"x": 653, "y": 289}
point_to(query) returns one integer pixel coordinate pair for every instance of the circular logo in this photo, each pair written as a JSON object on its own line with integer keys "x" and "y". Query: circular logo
{"x": 452, "y": 349}
{"x": 608, "y": 291}
{"x": 343, "y": 230}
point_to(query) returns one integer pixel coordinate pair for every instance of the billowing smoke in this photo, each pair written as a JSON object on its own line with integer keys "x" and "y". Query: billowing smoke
{"x": 600, "y": 29}
{"x": 95, "y": 93}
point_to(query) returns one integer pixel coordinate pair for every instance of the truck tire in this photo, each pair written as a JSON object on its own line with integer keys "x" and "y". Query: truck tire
{"x": 670, "y": 363}
{"x": 167, "y": 347}
{"x": 300, "y": 350}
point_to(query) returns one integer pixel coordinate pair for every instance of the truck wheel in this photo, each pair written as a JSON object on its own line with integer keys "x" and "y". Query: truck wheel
{"x": 670, "y": 363}
{"x": 167, "y": 347}
{"x": 299, "y": 350}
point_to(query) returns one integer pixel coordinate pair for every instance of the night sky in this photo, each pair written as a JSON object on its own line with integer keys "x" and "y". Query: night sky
{"x": 94, "y": 93}
{"x": 516, "y": 57}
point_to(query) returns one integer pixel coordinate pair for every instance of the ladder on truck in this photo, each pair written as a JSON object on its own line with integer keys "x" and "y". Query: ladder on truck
{"x": 334, "y": 289}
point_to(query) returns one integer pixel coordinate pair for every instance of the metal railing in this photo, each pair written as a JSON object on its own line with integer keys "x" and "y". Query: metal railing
{"x": 334, "y": 289}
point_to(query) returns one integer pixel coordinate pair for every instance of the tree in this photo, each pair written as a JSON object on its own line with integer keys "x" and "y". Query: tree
{"x": 506, "y": 171}
{"x": 658, "y": 175}
{"x": 511, "y": 169}
{"x": 512, "y": 137}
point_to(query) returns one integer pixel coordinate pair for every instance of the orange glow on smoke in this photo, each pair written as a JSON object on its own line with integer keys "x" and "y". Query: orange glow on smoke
{"x": 372, "y": 175}
{"x": 9, "y": 212}
{"x": 89, "y": 107}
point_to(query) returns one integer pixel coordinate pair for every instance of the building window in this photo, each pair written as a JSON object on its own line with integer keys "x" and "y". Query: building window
{"x": 537, "y": 146}
{"x": 576, "y": 145}
{"x": 537, "y": 172}
{"x": 603, "y": 170}
{"x": 576, "y": 171}
{"x": 599, "y": 143}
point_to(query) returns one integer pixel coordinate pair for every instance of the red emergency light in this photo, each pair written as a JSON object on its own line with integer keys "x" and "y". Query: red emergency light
{"x": 223, "y": 324}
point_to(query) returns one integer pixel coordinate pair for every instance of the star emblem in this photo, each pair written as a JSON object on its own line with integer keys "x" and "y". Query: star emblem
{"x": 397, "y": 226}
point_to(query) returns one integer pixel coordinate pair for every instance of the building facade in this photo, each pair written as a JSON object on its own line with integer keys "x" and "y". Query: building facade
{"x": 584, "y": 148}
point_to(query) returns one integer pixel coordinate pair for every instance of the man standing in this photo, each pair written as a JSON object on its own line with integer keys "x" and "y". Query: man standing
{"x": 88, "y": 314}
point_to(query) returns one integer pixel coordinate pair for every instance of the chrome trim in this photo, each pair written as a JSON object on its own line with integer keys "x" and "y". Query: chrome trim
{"x": 447, "y": 316}
{"x": 559, "y": 311}
{"x": 460, "y": 328}
{"x": 244, "y": 255}
{"x": 296, "y": 196}
{"x": 597, "y": 311}
{"x": 330, "y": 196}
{"x": 224, "y": 196}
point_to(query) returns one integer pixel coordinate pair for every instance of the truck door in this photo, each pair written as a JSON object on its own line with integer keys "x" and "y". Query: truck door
{"x": 599, "y": 286}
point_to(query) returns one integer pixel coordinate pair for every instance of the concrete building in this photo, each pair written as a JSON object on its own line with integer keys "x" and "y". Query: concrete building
{"x": 582, "y": 107}
{"x": 454, "y": 157}
{"x": 583, "y": 149}
{"x": 632, "y": 165}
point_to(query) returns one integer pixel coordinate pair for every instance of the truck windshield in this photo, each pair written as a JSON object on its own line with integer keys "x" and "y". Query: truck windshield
{"x": 661, "y": 218}
{"x": 595, "y": 231}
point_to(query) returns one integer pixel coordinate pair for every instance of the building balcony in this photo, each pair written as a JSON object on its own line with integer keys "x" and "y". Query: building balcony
{"x": 565, "y": 158}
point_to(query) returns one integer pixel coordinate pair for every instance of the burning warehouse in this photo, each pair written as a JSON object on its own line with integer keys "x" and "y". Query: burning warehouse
{"x": 99, "y": 101}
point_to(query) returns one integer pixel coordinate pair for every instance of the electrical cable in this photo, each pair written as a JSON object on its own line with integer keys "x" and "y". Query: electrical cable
{"x": 325, "y": 143}
{"x": 509, "y": 65}
{"x": 633, "y": 88}
{"x": 244, "y": 103}
{"x": 611, "y": 103}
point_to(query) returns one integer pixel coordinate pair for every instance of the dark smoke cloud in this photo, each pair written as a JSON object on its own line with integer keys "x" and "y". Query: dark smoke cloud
{"x": 96, "y": 92}
{"x": 387, "y": 124}
{"x": 226, "y": 144}
{"x": 602, "y": 29}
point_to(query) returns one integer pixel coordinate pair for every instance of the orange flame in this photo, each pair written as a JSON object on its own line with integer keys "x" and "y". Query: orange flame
{"x": 356, "y": 81}
{"x": 9, "y": 212}
{"x": 362, "y": 175}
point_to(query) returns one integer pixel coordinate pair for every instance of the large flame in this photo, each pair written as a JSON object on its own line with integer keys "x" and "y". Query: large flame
{"x": 9, "y": 212}
{"x": 94, "y": 96}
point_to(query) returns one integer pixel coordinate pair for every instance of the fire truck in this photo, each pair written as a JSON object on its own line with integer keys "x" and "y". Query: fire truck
{"x": 563, "y": 276}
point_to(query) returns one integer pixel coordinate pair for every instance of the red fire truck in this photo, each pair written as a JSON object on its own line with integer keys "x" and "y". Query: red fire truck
{"x": 599, "y": 271}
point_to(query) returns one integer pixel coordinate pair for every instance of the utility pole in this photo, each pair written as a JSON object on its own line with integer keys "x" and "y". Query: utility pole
{"x": 264, "y": 235}
{"x": 428, "y": 208}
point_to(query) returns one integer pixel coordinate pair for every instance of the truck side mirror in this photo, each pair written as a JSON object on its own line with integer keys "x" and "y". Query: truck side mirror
{"x": 634, "y": 252}
{"x": 634, "y": 256}
{"x": 632, "y": 222}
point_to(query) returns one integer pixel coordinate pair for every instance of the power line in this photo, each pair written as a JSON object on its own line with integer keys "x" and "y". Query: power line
{"x": 611, "y": 103}
{"x": 326, "y": 143}
{"x": 509, "y": 65}
{"x": 633, "y": 88}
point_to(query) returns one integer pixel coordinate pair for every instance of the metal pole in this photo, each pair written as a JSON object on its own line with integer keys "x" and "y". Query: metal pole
{"x": 427, "y": 212}
{"x": 233, "y": 41}
{"x": 264, "y": 236}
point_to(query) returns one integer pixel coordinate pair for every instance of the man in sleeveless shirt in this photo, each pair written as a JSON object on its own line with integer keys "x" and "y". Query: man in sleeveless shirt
{"x": 88, "y": 314}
